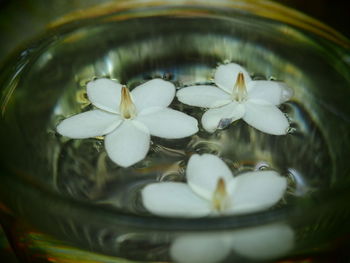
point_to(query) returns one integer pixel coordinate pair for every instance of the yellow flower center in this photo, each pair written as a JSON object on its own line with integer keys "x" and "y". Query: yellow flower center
{"x": 239, "y": 92}
{"x": 127, "y": 107}
{"x": 220, "y": 200}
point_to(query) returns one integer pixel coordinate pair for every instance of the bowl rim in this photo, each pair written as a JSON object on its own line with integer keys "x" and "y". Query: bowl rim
{"x": 264, "y": 8}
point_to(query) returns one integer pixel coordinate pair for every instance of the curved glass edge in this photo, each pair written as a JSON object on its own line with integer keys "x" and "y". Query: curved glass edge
{"x": 263, "y": 8}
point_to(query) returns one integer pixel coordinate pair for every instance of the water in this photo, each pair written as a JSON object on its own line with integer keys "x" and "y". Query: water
{"x": 85, "y": 172}
{"x": 172, "y": 51}
{"x": 169, "y": 50}
{"x": 47, "y": 84}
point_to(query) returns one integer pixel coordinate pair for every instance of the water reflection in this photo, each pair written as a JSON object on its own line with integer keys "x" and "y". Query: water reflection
{"x": 257, "y": 243}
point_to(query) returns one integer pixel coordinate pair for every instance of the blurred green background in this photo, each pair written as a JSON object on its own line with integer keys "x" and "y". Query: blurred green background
{"x": 22, "y": 20}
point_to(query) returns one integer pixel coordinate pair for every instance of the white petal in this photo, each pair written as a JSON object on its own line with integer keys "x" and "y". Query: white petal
{"x": 168, "y": 123}
{"x": 127, "y": 144}
{"x": 254, "y": 191}
{"x": 200, "y": 248}
{"x": 153, "y": 93}
{"x": 173, "y": 199}
{"x": 266, "y": 118}
{"x": 105, "y": 94}
{"x": 226, "y": 76}
{"x": 273, "y": 92}
{"x": 203, "y": 173}
{"x": 265, "y": 242}
{"x": 212, "y": 118}
{"x": 89, "y": 124}
{"x": 203, "y": 96}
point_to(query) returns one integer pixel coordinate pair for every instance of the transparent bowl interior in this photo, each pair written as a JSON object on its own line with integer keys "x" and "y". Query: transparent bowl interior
{"x": 78, "y": 183}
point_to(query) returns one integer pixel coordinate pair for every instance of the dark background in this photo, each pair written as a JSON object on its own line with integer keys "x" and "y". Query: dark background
{"x": 335, "y": 13}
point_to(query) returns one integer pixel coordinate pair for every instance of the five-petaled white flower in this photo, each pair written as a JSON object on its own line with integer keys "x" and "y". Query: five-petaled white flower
{"x": 127, "y": 119}
{"x": 211, "y": 189}
{"x": 238, "y": 96}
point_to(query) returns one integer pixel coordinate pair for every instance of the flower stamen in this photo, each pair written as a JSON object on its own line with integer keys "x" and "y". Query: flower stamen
{"x": 239, "y": 92}
{"x": 220, "y": 196}
{"x": 127, "y": 107}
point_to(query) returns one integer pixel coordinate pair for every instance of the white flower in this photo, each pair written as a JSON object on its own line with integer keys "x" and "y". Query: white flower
{"x": 238, "y": 96}
{"x": 256, "y": 243}
{"x": 212, "y": 189}
{"x": 127, "y": 119}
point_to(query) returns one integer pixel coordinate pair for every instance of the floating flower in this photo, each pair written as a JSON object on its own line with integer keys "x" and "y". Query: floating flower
{"x": 238, "y": 96}
{"x": 211, "y": 189}
{"x": 256, "y": 243}
{"x": 127, "y": 119}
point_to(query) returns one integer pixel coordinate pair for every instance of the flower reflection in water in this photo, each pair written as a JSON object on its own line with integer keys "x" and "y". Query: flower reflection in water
{"x": 257, "y": 243}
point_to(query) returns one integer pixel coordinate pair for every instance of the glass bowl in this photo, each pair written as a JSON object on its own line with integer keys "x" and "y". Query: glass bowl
{"x": 64, "y": 199}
